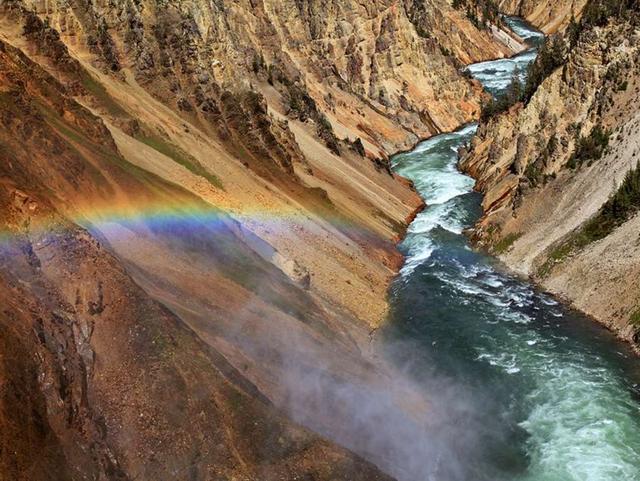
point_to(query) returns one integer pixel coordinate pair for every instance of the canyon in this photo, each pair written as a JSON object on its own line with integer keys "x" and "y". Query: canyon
{"x": 540, "y": 196}
{"x": 200, "y": 219}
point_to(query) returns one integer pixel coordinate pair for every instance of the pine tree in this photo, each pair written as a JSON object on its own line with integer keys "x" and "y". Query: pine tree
{"x": 515, "y": 90}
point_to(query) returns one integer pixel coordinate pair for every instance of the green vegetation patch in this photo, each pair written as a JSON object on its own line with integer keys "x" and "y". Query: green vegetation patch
{"x": 557, "y": 255}
{"x": 481, "y": 13}
{"x": 80, "y": 140}
{"x": 181, "y": 157}
{"x": 620, "y": 207}
{"x": 99, "y": 92}
{"x": 598, "y": 13}
{"x": 552, "y": 55}
{"x": 590, "y": 148}
{"x": 506, "y": 242}
{"x": 601, "y": 12}
{"x": 635, "y": 318}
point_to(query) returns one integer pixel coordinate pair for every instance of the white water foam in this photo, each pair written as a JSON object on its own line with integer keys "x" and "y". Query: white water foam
{"x": 521, "y": 29}
{"x": 578, "y": 412}
{"x": 496, "y": 75}
{"x": 432, "y": 167}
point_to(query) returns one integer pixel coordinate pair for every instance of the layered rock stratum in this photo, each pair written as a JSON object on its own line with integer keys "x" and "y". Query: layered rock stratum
{"x": 198, "y": 227}
{"x": 547, "y": 170}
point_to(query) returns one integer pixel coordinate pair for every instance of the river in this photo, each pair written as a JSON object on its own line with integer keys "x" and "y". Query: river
{"x": 548, "y": 394}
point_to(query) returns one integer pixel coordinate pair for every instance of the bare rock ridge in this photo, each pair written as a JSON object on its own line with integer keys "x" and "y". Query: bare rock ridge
{"x": 197, "y": 217}
{"x": 550, "y": 16}
{"x": 559, "y": 174}
{"x": 99, "y": 380}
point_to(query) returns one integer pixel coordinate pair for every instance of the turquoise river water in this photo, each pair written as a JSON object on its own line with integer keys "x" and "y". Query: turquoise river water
{"x": 549, "y": 395}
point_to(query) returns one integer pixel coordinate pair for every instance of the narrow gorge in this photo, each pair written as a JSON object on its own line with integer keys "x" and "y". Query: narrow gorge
{"x": 216, "y": 265}
{"x": 554, "y": 396}
{"x": 550, "y": 169}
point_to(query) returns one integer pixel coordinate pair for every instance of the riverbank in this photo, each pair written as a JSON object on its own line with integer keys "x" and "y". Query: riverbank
{"x": 553, "y": 394}
{"x": 541, "y": 189}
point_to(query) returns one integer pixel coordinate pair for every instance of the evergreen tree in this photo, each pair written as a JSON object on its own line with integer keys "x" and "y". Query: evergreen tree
{"x": 515, "y": 90}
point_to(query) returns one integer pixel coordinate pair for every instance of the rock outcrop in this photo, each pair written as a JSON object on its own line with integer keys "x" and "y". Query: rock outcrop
{"x": 198, "y": 226}
{"x": 548, "y": 168}
{"x": 548, "y": 15}
{"x": 368, "y": 69}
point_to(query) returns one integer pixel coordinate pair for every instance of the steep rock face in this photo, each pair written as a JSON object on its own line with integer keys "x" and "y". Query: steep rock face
{"x": 548, "y": 15}
{"x": 366, "y": 67}
{"x": 99, "y": 380}
{"x": 197, "y": 230}
{"x": 539, "y": 194}
{"x": 250, "y": 161}
{"x": 450, "y": 29}
{"x": 271, "y": 107}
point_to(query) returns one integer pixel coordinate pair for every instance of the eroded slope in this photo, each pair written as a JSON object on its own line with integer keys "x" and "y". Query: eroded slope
{"x": 98, "y": 379}
{"x": 548, "y": 168}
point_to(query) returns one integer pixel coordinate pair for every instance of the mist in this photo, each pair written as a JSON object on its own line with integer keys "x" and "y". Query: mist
{"x": 382, "y": 399}
{"x": 384, "y": 403}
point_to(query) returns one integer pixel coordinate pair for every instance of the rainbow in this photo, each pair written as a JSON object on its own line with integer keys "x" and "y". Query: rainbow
{"x": 175, "y": 216}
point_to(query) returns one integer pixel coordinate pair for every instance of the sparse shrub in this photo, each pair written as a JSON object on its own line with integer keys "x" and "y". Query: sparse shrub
{"x": 358, "y": 146}
{"x": 445, "y": 51}
{"x": 621, "y": 206}
{"x": 590, "y": 148}
{"x": 534, "y": 171}
{"x": 302, "y": 105}
{"x": 598, "y": 13}
{"x": 103, "y": 44}
{"x": 533, "y": 174}
{"x": 258, "y": 63}
{"x": 480, "y": 12}
{"x": 512, "y": 96}
{"x": 506, "y": 242}
{"x": 573, "y": 32}
{"x": 551, "y": 55}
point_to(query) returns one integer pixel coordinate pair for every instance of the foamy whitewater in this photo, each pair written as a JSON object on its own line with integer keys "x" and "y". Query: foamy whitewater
{"x": 560, "y": 396}
{"x": 496, "y": 75}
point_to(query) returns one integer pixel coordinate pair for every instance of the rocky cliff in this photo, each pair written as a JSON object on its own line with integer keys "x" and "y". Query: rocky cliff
{"x": 198, "y": 228}
{"x": 549, "y": 16}
{"x": 558, "y": 177}
{"x": 384, "y": 73}
{"x": 261, "y": 95}
{"x": 100, "y": 380}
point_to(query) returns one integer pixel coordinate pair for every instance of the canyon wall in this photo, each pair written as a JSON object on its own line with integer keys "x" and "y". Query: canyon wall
{"x": 274, "y": 96}
{"x": 549, "y": 171}
{"x": 198, "y": 231}
{"x": 548, "y": 15}
{"x": 99, "y": 379}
